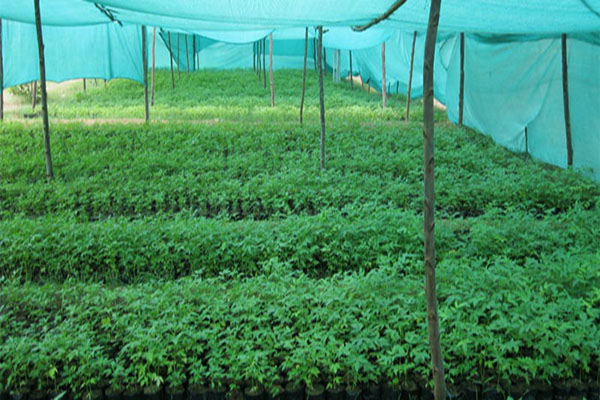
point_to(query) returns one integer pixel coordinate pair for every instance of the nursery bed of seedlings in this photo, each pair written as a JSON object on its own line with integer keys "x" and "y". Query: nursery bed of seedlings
{"x": 195, "y": 254}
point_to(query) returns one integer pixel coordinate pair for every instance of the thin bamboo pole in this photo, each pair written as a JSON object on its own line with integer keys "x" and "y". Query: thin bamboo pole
{"x": 315, "y": 53}
{"x": 194, "y": 53}
{"x": 187, "y": 54}
{"x": 304, "y": 76}
{"x": 178, "y": 58}
{"x": 46, "y": 124}
{"x": 383, "y": 88}
{"x": 145, "y": 68}
{"x": 565, "y": 81}
{"x": 254, "y": 56}
{"x": 33, "y": 94}
{"x": 271, "y": 70}
{"x": 351, "y": 73}
{"x": 153, "y": 65}
{"x": 171, "y": 60}
{"x": 461, "y": 88}
{"x": 321, "y": 96}
{"x": 258, "y": 62}
{"x": 264, "y": 47}
{"x": 324, "y": 52}
{"x": 410, "y": 75}
{"x": 337, "y": 65}
{"x": 1, "y": 77}
{"x": 198, "y": 56}
{"x": 429, "y": 211}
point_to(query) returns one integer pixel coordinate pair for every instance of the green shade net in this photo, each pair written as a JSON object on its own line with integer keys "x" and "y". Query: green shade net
{"x": 512, "y": 61}
{"x": 98, "y": 51}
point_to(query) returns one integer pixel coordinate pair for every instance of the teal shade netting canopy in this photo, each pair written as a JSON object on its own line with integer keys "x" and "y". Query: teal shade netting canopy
{"x": 512, "y": 64}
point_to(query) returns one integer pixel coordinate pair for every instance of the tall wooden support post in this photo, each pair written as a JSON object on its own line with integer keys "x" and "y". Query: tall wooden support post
{"x": 187, "y": 54}
{"x": 197, "y": 55}
{"x": 351, "y": 73}
{"x": 337, "y": 66}
{"x": 153, "y": 66}
{"x": 84, "y": 85}
{"x": 254, "y": 56}
{"x": 321, "y": 95}
{"x": 1, "y": 77}
{"x": 304, "y": 76}
{"x": 33, "y": 95}
{"x": 429, "y": 210}
{"x": 264, "y": 47}
{"x": 410, "y": 74}
{"x": 194, "y": 53}
{"x": 565, "y": 82}
{"x": 171, "y": 59}
{"x": 461, "y": 88}
{"x": 324, "y": 52}
{"x": 383, "y": 88}
{"x": 178, "y": 58}
{"x": 271, "y": 70}
{"x": 46, "y": 124}
{"x": 258, "y": 53}
{"x": 315, "y": 53}
{"x": 145, "y": 68}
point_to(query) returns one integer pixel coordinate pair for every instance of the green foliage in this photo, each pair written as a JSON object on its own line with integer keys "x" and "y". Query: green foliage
{"x": 499, "y": 323}
{"x": 243, "y": 264}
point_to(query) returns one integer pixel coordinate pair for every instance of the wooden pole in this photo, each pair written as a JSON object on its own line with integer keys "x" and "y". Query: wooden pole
{"x": 321, "y": 95}
{"x": 565, "y": 81}
{"x": 153, "y": 65}
{"x": 178, "y": 58}
{"x": 429, "y": 211}
{"x": 1, "y": 77}
{"x": 271, "y": 70}
{"x": 315, "y": 53}
{"x": 324, "y": 52}
{"x": 46, "y": 124}
{"x": 264, "y": 47}
{"x": 337, "y": 66}
{"x": 254, "y": 56}
{"x": 171, "y": 59}
{"x": 84, "y": 85}
{"x": 258, "y": 53}
{"x": 145, "y": 68}
{"x": 383, "y": 88}
{"x": 304, "y": 76}
{"x": 351, "y": 73}
{"x": 187, "y": 54}
{"x": 194, "y": 53}
{"x": 461, "y": 89}
{"x": 410, "y": 74}
{"x": 33, "y": 94}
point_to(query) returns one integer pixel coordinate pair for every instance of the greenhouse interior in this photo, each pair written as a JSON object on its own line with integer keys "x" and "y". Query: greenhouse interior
{"x": 300, "y": 200}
